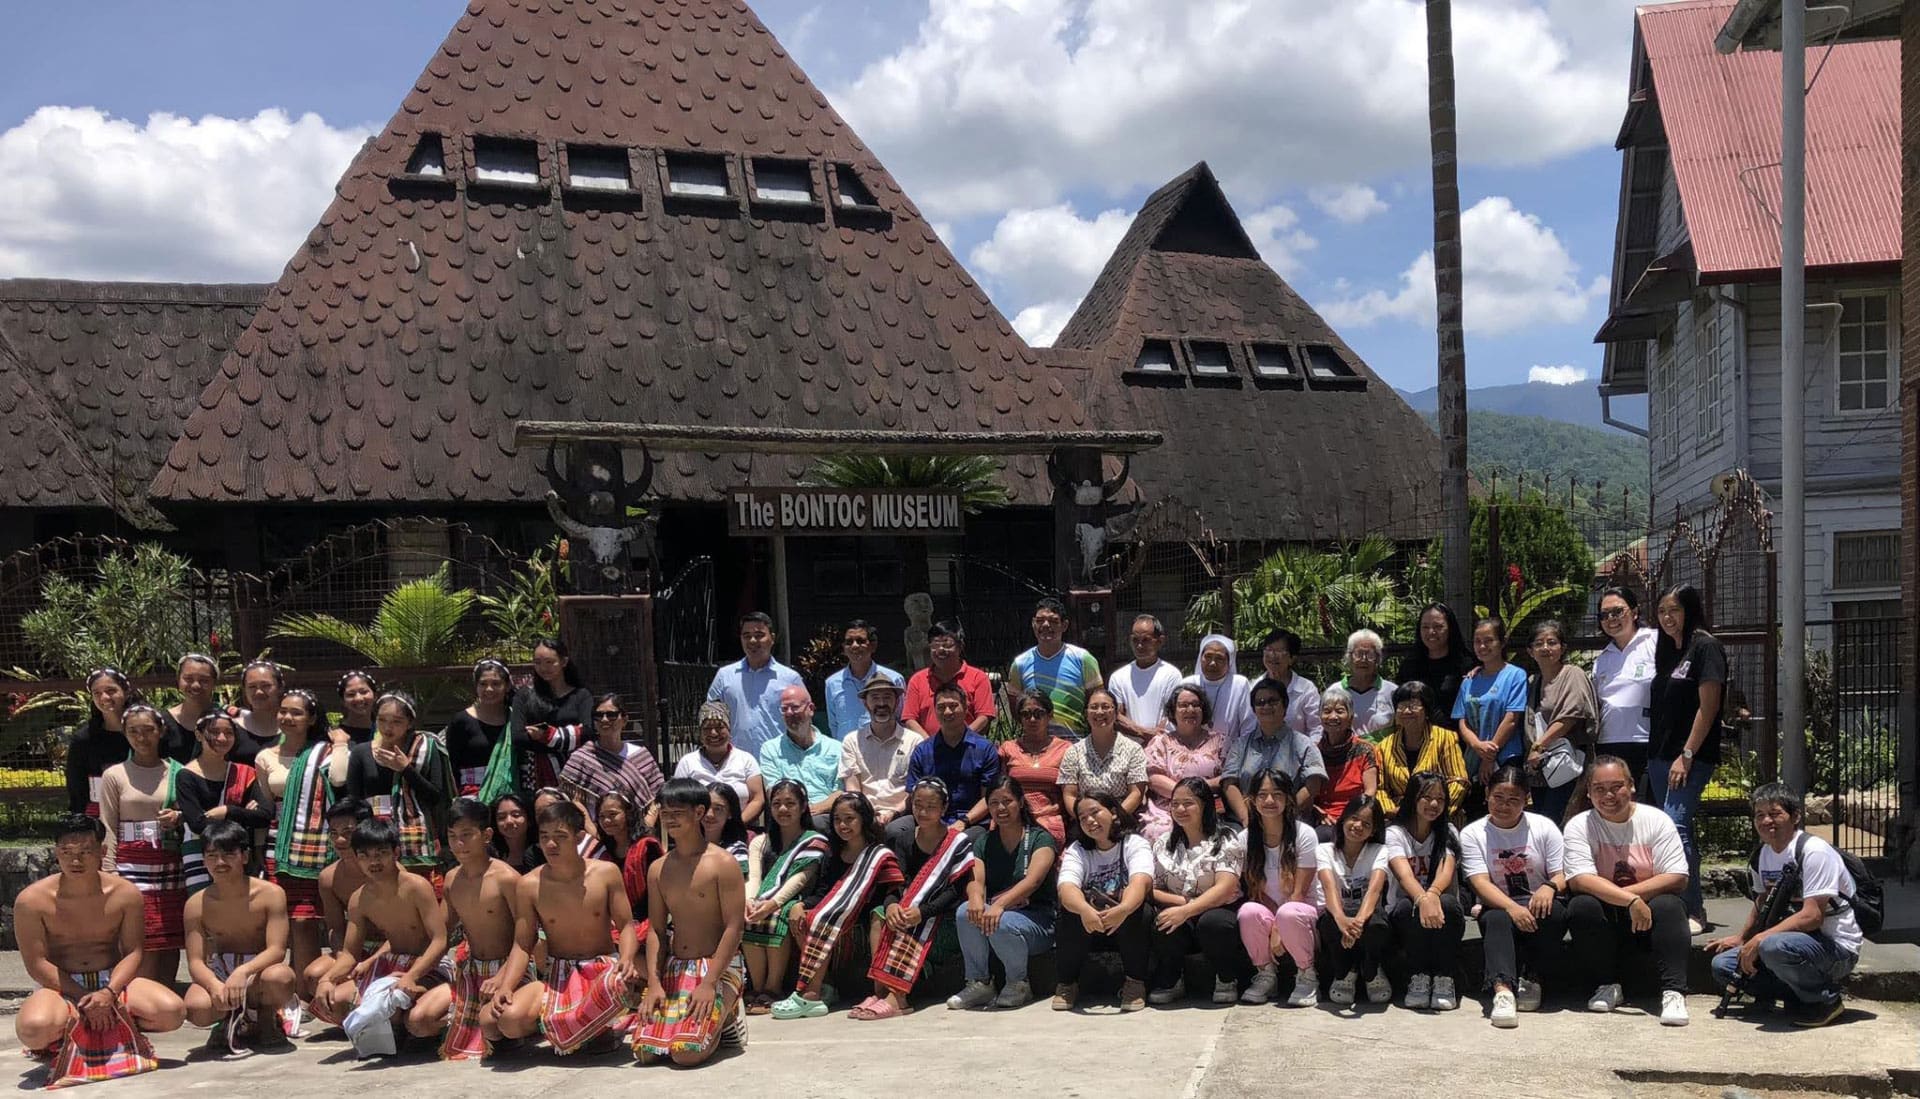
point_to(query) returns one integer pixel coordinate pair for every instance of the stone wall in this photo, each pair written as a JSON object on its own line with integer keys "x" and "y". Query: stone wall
{"x": 19, "y": 868}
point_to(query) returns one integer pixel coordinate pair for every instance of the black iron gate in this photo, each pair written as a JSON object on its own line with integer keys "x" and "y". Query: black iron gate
{"x": 1854, "y": 719}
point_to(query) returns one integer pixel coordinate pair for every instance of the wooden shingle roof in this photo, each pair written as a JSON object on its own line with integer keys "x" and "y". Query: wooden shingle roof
{"x": 1328, "y": 454}
{"x": 100, "y": 376}
{"x": 431, "y": 308}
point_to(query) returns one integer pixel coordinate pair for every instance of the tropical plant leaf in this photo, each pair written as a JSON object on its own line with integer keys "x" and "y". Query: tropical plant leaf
{"x": 417, "y": 624}
{"x": 976, "y": 478}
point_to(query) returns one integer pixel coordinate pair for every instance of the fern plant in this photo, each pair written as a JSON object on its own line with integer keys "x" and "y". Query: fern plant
{"x": 418, "y": 624}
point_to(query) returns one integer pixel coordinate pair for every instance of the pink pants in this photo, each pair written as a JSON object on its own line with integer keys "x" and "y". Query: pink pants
{"x": 1294, "y": 921}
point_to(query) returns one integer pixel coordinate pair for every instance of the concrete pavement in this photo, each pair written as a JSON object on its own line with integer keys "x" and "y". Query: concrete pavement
{"x": 1190, "y": 1052}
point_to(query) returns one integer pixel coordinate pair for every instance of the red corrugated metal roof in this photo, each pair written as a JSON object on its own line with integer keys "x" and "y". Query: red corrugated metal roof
{"x": 1722, "y": 119}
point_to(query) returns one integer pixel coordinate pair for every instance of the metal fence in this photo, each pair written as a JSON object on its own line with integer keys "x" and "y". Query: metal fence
{"x": 1855, "y": 741}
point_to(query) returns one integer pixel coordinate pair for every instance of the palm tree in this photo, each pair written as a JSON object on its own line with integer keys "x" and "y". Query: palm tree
{"x": 1322, "y": 595}
{"x": 975, "y": 478}
{"x": 417, "y": 625}
{"x": 1447, "y": 282}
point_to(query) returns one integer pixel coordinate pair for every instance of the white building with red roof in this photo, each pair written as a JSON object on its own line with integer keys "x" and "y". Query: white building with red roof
{"x": 1695, "y": 313}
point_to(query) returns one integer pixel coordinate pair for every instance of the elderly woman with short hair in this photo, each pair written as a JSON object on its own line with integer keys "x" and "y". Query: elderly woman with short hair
{"x": 1371, "y": 693}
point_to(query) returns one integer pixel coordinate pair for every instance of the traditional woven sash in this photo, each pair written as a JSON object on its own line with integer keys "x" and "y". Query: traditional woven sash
{"x": 900, "y": 955}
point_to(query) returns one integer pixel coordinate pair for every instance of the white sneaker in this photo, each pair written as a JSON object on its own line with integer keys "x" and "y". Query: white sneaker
{"x": 1226, "y": 991}
{"x": 1696, "y": 926}
{"x": 1529, "y": 995}
{"x": 1306, "y": 989}
{"x": 1604, "y": 998}
{"x": 1379, "y": 989}
{"x": 976, "y": 995}
{"x": 1341, "y": 990}
{"x": 1266, "y": 980}
{"x": 1444, "y": 998}
{"x": 1419, "y": 993}
{"x": 1673, "y": 1008}
{"x": 1506, "y": 1012}
{"x": 1175, "y": 991}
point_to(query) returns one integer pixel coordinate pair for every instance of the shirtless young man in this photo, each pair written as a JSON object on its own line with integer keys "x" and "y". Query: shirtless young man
{"x": 337, "y": 884}
{"x": 694, "y": 1005}
{"x": 587, "y": 990}
{"x": 80, "y": 934}
{"x": 237, "y": 941}
{"x": 395, "y": 907}
{"x": 483, "y": 895}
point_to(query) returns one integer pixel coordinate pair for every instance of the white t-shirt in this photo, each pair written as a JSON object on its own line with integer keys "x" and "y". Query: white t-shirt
{"x": 1402, "y": 845}
{"x": 1623, "y": 680}
{"x": 1306, "y": 857}
{"x": 1518, "y": 860}
{"x": 739, "y": 767}
{"x": 1106, "y": 871}
{"x": 1143, "y": 691}
{"x": 1824, "y": 875}
{"x": 1645, "y": 846}
{"x": 1372, "y": 709}
{"x": 1354, "y": 878}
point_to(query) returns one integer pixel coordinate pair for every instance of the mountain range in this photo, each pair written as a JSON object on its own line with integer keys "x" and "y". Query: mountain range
{"x": 1569, "y": 404}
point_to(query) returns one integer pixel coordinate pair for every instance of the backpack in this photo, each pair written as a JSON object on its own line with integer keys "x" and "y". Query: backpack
{"x": 1869, "y": 900}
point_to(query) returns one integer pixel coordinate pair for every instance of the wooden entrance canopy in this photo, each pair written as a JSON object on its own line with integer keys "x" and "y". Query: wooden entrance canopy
{"x": 663, "y": 438}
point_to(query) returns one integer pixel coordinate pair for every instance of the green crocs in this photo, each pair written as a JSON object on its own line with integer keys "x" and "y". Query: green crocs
{"x": 797, "y": 1006}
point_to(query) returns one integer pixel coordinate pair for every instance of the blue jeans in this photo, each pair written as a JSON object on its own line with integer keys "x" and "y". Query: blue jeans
{"x": 1022, "y": 933}
{"x": 1793, "y": 966}
{"x": 1682, "y": 804}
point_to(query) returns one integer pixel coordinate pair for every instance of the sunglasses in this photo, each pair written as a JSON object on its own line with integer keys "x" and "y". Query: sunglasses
{"x": 606, "y": 716}
{"x": 1033, "y": 715}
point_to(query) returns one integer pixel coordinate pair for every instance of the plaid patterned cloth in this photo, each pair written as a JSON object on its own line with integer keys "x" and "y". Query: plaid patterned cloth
{"x": 423, "y": 828}
{"x": 671, "y": 1028}
{"x": 839, "y": 912}
{"x": 808, "y": 850}
{"x": 384, "y": 965}
{"x": 301, "y": 848}
{"x": 900, "y": 955}
{"x": 85, "y": 1055}
{"x": 584, "y": 1000}
{"x": 466, "y": 1040}
{"x": 155, "y": 870}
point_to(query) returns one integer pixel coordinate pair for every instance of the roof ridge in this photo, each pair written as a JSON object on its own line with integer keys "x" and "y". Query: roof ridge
{"x": 104, "y": 292}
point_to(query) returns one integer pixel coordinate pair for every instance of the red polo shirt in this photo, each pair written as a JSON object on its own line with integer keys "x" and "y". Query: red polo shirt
{"x": 918, "y": 706}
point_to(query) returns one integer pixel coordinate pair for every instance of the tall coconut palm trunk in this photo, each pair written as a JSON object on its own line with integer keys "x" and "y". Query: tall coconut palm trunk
{"x": 1447, "y": 279}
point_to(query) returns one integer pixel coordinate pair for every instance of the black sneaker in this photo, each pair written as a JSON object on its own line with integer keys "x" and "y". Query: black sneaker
{"x": 1819, "y": 1015}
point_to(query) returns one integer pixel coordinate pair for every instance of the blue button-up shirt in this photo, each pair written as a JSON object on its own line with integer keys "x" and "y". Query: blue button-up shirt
{"x": 967, "y": 769}
{"x": 752, "y": 696}
{"x": 845, "y": 711}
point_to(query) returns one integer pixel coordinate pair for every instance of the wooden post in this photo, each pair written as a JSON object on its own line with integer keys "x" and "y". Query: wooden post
{"x": 782, "y": 617}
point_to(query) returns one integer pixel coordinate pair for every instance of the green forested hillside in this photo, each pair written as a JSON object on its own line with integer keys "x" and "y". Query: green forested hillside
{"x": 1506, "y": 446}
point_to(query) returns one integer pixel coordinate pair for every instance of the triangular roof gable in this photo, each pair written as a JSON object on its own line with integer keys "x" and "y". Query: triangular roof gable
{"x": 423, "y": 316}
{"x": 1190, "y": 214}
{"x": 48, "y": 465}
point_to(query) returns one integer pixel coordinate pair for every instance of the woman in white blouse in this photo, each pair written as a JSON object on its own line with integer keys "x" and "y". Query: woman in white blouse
{"x": 1196, "y": 880}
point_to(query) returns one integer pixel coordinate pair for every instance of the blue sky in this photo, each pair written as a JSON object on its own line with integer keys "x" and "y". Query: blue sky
{"x": 1543, "y": 86}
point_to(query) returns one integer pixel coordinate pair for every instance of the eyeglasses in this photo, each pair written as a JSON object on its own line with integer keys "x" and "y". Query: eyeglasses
{"x": 1365, "y": 656}
{"x": 1607, "y": 613}
{"x": 1033, "y": 715}
{"x": 1266, "y": 703}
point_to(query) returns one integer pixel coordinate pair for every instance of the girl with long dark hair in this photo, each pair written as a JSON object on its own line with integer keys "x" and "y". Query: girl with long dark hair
{"x": 1010, "y": 904}
{"x": 1196, "y": 880}
{"x": 358, "y": 691}
{"x": 261, "y": 685}
{"x": 555, "y": 715}
{"x": 100, "y": 742}
{"x": 1106, "y": 879}
{"x": 1689, "y": 686}
{"x": 139, "y": 806}
{"x": 475, "y": 731}
{"x": 860, "y": 872}
{"x": 1423, "y": 861}
{"x": 1440, "y": 656}
{"x": 1352, "y": 930}
{"x": 1282, "y": 864}
{"x": 782, "y": 863}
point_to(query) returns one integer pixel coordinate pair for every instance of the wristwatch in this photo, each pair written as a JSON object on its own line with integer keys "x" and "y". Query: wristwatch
{"x": 1687, "y": 754}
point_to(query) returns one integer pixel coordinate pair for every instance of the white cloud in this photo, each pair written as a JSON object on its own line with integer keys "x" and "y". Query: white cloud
{"x": 1046, "y": 259}
{"x": 1557, "y": 375}
{"x": 1517, "y": 273}
{"x": 1049, "y": 253}
{"x": 1005, "y": 103}
{"x": 1349, "y": 205}
{"x": 84, "y": 195}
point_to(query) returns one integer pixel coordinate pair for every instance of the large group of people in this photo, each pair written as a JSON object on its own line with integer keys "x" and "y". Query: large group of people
{"x": 530, "y": 872}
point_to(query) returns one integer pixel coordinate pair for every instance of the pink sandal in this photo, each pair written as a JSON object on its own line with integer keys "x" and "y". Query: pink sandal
{"x": 879, "y": 1007}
